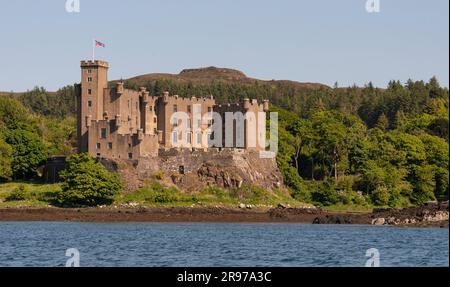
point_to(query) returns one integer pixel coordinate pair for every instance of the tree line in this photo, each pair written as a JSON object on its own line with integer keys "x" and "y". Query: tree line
{"x": 352, "y": 145}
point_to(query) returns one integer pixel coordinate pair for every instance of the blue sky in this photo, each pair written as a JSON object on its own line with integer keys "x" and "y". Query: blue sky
{"x": 308, "y": 41}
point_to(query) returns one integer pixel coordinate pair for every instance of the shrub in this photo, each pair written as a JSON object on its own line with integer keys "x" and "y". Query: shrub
{"x": 87, "y": 183}
{"x": 159, "y": 175}
{"x": 326, "y": 195}
{"x": 250, "y": 193}
{"x": 154, "y": 192}
{"x": 380, "y": 196}
{"x": 18, "y": 194}
{"x": 28, "y": 152}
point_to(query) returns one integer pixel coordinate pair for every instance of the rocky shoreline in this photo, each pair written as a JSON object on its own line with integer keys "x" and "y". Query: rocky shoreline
{"x": 429, "y": 215}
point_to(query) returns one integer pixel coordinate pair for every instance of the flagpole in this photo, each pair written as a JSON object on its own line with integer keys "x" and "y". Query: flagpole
{"x": 93, "y": 50}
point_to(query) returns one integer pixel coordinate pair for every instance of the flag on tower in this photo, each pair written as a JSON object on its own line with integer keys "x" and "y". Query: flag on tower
{"x": 96, "y": 44}
{"x": 99, "y": 44}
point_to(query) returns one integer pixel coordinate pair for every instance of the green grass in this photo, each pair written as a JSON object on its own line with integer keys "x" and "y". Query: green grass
{"x": 27, "y": 194}
{"x": 154, "y": 194}
{"x": 14, "y": 194}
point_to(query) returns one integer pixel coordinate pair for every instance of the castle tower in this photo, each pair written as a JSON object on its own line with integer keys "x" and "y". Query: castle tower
{"x": 94, "y": 79}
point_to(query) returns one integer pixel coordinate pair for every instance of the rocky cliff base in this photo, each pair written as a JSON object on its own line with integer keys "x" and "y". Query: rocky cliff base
{"x": 192, "y": 170}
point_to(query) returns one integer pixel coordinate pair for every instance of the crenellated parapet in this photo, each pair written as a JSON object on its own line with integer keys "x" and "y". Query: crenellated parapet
{"x": 186, "y": 100}
{"x": 96, "y": 63}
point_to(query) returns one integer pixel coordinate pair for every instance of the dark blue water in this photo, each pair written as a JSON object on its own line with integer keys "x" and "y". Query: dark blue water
{"x": 163, "y": 244}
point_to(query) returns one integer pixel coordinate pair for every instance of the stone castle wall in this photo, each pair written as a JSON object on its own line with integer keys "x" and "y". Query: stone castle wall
{"x": 192, "y": 170}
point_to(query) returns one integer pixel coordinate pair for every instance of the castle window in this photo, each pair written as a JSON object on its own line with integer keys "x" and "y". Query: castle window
{"x": 89, "y": 103}
{"x": 199, "y": 138}
{"x": 89, "y": 79}
{"x": 189, "y": 138}
{"x": 89, "y": 91}
{"x": 130, "y": 155}
{"x": 154, "y": 119}
{"x": 181, "y": 169}
{"x": 150, "y": 108}
{"x": 129, "y": 145}
{"x": 189, "y": 108}
{"x": 103, "y": 133}
{"x": 175, "y": 108}
{"x": 89, "y": 71}
{"x": 174, "y": 137}
{"x": 109, "y": 145}
{"x": 98, "y": 146}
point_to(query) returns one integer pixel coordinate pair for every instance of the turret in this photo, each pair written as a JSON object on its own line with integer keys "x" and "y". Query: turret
{"x": 246, "y": 103}
{"x": 94, "y": 79}
{"x": 266, "y": 105}
{"x": 119, "y": 88}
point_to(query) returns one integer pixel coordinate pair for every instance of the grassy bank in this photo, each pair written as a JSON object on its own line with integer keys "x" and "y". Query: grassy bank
{"x": 33, "y": 194}
{"x": 13, "y": 194}
{"x": 153, "y": 194}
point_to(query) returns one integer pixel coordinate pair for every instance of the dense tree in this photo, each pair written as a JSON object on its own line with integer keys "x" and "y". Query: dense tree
{"x": 29, "y": 152}
{"x": 5, "y": 160}
{"x": 87, "y": 183}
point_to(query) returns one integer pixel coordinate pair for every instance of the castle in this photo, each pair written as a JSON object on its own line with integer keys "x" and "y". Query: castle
{"x": 118, "y": 123}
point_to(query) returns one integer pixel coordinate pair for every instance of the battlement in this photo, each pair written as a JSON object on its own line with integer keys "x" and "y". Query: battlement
{"x": 185, "y": 100}
{"x": 94, "y": 64}
{"x": 253, "y": 103}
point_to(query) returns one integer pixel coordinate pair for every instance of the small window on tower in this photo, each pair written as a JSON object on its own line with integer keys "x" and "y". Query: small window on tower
{"x": 89, "y": 71}
{"x": 89, "y": 103}
{"x": 175, "y": 108}
{"x": 103, "y": 133}
{"x": 89, "y": 79}
{"x": 98, "y": 146}
{"x": 89, "y": 91}
{"x": 150, "y": 108}
{"x": 130, "y": 155}
{"x": 109, "y": 145}
{"x": 154, "y": 120}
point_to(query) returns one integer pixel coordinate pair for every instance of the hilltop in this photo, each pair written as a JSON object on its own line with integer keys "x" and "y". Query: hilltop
{"x": 209, "y": 75}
